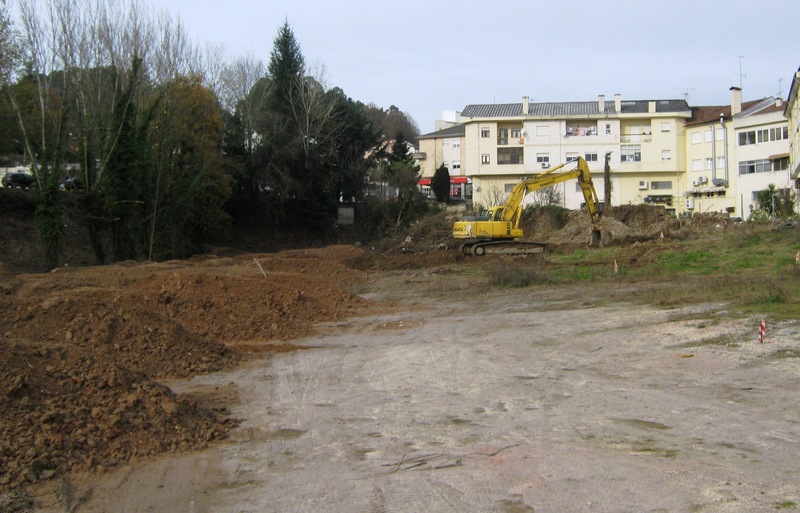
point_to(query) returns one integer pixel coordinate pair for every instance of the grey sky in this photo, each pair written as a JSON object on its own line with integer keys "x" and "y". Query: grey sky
{"x": 426, "y": 56}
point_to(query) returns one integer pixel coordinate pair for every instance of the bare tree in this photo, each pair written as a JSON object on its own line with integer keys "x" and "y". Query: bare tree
{"x": 245, "y": 89}
{"x": 548, "y": 196}
{"x": 9, "y": 46}
{"x": 214, "y": 68}
{"x": 494, "y": 194}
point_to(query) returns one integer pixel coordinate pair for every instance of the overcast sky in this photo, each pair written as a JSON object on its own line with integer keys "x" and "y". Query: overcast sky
{"x": 426, "y": 56}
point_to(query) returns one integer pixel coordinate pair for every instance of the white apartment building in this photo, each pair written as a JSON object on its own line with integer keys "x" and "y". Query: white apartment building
{"x": 733, "y": 152}
{"x": 661, "y": 152}
{"x": 644, "y": 139}
{"x": 792, "y": 112}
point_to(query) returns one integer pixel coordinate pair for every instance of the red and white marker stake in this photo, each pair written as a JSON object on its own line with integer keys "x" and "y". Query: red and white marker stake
{"x": 762, "y": 332}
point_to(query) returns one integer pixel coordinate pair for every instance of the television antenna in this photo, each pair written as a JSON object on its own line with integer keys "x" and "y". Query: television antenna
{"x": 741, "y": 75}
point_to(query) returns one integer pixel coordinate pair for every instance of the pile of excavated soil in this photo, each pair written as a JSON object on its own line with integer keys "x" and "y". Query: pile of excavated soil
{"x": 82, "y": 351}
{"x": 628, "y": 223}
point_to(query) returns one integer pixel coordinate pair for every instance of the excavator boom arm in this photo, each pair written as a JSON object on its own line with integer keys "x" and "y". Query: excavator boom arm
{"x": 502, "y": 223}
{"x": 512, "y": 210}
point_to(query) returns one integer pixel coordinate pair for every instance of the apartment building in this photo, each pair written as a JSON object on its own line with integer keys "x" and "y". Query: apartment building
{"x": 445, "y": 147}
{"x": 506, "y": 143}
{"x": 660, "y": 152}
{"x": 792, "y": 113}
{"x": 733, "y": 152}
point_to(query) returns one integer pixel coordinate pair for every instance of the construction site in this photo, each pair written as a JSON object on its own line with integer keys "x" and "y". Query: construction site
{"x": 405, "y": 376}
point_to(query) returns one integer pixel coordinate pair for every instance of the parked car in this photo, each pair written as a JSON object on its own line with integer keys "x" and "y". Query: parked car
{"x": 72, "y": 184}
{"x": 20, "y": 180}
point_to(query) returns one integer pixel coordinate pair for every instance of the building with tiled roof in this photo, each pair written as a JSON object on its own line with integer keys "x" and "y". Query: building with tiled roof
{"x": 662, "y": 152}
{"x": 444, "y": 148}
{"x": 508, "y": 142}
{"x": 733, "y": 152}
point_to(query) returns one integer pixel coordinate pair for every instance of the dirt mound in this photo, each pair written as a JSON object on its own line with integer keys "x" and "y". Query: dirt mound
{"x": 628, "y": 223}
{"x": 82, "y": 350}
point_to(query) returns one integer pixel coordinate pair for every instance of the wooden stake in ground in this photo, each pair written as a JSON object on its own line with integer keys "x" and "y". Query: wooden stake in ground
{"x": 260, "y": 268}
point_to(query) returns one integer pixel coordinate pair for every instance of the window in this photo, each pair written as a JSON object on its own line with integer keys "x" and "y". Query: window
{"x": 572, "y": 156}
{"x": 666, "y": 127}
{"x": 720, "y": 134}
{"x": 631, "y": 152}
{"x": 446, "y": 144}
{"x": 763, "y": 135}
{"x": 663, "y": 184}
{"x": 543, "y": 158}
{"x": 456, "y": 144}
{"x": 707, "y": 136}
{"x": 509, "y": 156}
{"x": 709, "y": 164}
{"x": 720, "y": 162}
{"x": 485, "y": 133}
{"x": 608, "y": 129}
{"x": 697, "y": 165}
{"x": 502, "y": 137}
{"x": 542, "y": 130}
{"x": 696, "y": 137}
{"x": 485, "y": 159}
{"x": 590, "y": 156}
{"x": 781, "y": 164}
{"x": 666, "y": 154}
{"x": 456, "y": 164}
{"x": 778, "y": 134}
{"x": 516, "y": 133}
{"x": 749, "y": 167}
{"x": 746, "y": 138}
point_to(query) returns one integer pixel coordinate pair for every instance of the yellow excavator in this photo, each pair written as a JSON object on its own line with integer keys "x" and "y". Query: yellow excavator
{"x": 497, "y": 230}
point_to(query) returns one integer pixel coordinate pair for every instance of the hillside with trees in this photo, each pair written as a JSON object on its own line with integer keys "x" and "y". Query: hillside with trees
{"x": 170, "y": 147}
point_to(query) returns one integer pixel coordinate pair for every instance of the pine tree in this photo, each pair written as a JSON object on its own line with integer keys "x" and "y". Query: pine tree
{"x": 440, "y": 184}
{"x": 286, "y": 67}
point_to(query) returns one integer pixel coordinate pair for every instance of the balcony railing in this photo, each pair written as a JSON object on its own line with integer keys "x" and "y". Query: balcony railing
{"x": 635, "y": 138}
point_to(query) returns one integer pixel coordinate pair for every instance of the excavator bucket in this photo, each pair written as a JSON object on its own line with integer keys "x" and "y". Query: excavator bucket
{"x": 596, "y": 239}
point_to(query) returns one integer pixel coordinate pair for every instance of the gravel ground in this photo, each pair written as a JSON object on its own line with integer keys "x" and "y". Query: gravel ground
{"x": 513, "y": 401}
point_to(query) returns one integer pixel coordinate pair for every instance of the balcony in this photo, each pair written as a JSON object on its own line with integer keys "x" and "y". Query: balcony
{"x": 635, "y": 138}
{"x": 580, "y": 131}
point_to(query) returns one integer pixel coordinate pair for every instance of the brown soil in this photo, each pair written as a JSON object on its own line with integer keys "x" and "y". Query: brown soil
{"x": 85, "y": 350}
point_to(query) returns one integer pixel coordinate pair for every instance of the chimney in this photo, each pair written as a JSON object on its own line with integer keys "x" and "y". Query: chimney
{"x": 651, "y": 107}
{"x": 524, "y": 105}
{"x": 778, "y": 102}
{"x": 618, "y": 103}
{"x": 736, "y": 100}
{"x": 601, "y": 102}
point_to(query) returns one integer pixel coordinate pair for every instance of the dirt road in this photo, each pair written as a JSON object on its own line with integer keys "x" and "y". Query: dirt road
{"x": 521, "y": 401}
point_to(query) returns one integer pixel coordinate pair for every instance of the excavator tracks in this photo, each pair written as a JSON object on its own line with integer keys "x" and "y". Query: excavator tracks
{"x": 502, "y": 248}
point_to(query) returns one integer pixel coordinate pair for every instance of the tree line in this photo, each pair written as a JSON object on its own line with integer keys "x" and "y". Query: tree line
{"x": 173, "y": 146}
